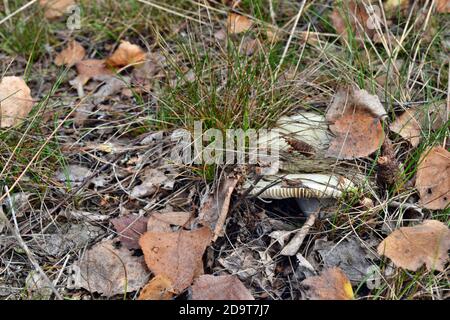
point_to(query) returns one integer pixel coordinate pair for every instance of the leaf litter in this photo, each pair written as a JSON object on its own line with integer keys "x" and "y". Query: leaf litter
{"x": 251, "y": 245}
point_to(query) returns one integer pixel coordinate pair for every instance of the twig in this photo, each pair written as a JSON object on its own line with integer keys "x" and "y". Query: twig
{"x": 294, "y": 245}
{"x": 16, "y": 232}
{"x": 9, "y": 16}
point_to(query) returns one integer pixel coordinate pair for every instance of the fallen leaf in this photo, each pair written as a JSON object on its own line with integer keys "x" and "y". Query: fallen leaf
{"x": 15, "y": 101}
{"x": 361, "y": 21}
{"x": 237, "y": 23}
{"x": 125, "y": 55}
{"x": 347, "y": 97}
{"x": 92, "y": 69}
{"x": 331, "y": 284}
{"x": 108, "y": 270}
{"x": 67, "y": 237}
{"x": 37, "y": 287}
{"x": 54, "y": 9}
{"x": 176, "y": 255}
{"x": 130, "y": 229}
{"x": 144, "y": 74}
{"x": 152, "y": 180}
{"x": 250, "y": 265}
{"x": 214, "y": 210}
{"x": 249, "y": 46}
{"x": 73, "y": 175}
{"x": 432, "y": 180}
{"x": 159, "y": 288}
{"x": 443, "y": 6}
{"x": 112, "y": 85}
{"x": 209, "y": 287}
{"x": 19, "y": 202}
{"x": 355, "y": 117}
{"x": 410, "y": 123}
{"x": 161, "y": 222}
{"x": 408, "y": 127}
{"x": 71, "y": 55}
{"x": 411, "y": 247}
{"x": 347, "y": 255}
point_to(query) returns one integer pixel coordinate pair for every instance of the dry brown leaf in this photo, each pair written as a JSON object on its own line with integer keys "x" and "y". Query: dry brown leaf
{"x": 54, "y": 9}
{"x": 411, "y": 247}
{"x": 209, "y": 287}
{"x": 358, "y": 135}
{"x": 92, "y": 69}
{"x": 408, "y": 127}
{"x": 161, "y": 222}
{"x": 358, "y": 18}
{"x": 331, "y": 284}
{"x": 433, "y": 178}
{"x": 410, "y": 123}
{"x": 355, "y": 115}
{"x": 126, "y": 54}
{"x": 347, "y": 97}
{"x": 159, "y": 288}
{"x": 214, "y": 211}
{"x": 108, "y": 271}
{"x": 443, "y": 6}
{"x": 130, "y": 229}
{"x": 176, "y": 255}
{"x": 71, "y": 55}
{"x": 15, "y": 101}
{"x": 237, "y": 23}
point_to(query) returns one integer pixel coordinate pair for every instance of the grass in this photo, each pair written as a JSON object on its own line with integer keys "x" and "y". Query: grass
{"x": 218, "y": 83}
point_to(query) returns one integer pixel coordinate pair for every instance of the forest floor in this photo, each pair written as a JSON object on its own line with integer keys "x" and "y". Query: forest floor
{"x": 96, "y": 204}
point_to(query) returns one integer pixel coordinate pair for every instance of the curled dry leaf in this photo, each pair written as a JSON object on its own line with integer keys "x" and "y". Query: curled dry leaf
{"x": 159, "y": 288}
{"x": 161, "y": 222}
{"x": 71, "y": 55}
{"x": 347, "y": 97}
{"x": 130, "y": 229}
{"x": 331, "y": 284}
{"x": 355, "y": 117}
{"x": 411, "y": 247}
{"x": 54, "y": 9}
{"x": 209, "y": 287}
{"x": 176, "y": 255}
{"x": 432, "y": 180}
{"x": 214, "y": 210}
{"x": 126, "y": 54}
{"x": 237, "y": 23}
{"x": 108, "y": 271}
{"x": 15, "y": 101}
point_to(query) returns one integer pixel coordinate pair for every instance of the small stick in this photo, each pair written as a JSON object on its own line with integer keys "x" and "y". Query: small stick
{"x": 9, "y": 16}
{"x": 294, "y": 245}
